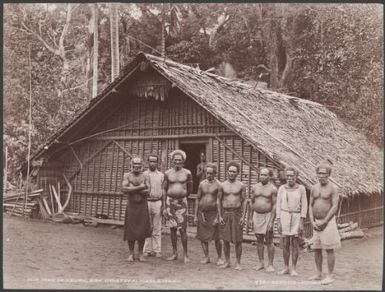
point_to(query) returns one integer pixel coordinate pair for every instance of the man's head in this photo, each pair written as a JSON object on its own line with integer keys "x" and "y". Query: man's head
{"x": 323, "y": 171}
{"x": 178, "y": 157}
{"x": 265, "y": 175}
{"x": 202, "y": 157}
{"x": 291, "y": 175}
{"x": 233, "y": 169}
{"x": 211, "y": 171}
{"x": 153, "y": 162}
{"x": 136, "y": 164}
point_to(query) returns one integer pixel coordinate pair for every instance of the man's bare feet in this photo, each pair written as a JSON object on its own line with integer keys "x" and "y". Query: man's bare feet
{"x": 259, "y": 267}
{"x": 270, "y": 269}
{"x": 315, "y": 277}
{"x": 238, "y": 267}
{"x": 285, "y": 271}
{"x": 130, "y": 258}
{"x": 205, "y": 261}
{"x": 293, "y": 273}
{"x": 225, "y": 265}
{"x": 141, "y": 258}
{"x": 220, "y": 262}
{"x": 172, "y": 258}
{"x": 186, "y": 260}
{"x": 328, "y": 280}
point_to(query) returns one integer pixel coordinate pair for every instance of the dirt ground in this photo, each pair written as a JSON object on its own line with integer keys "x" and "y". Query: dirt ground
{"x": 46, "y": 255}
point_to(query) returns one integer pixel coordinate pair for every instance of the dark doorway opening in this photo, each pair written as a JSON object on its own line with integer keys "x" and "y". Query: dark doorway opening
{"x": 193, "y": 151}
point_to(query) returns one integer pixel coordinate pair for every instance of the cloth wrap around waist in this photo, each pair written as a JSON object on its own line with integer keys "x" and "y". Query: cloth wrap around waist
{"x": 137, "y": 224}
{"x": 231, "y": 231}
{"x": 208, "y": 229}
{"x": 177, "y": 213}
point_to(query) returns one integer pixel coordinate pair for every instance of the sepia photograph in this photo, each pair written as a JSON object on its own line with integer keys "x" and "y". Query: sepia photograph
{"x": 216, "y": 146}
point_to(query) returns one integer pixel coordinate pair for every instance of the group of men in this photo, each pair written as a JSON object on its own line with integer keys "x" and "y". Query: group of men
{"x": 220, "y": 214}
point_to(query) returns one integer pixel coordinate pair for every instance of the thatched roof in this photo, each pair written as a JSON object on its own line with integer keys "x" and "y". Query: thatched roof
{"x": 289, "y": 130}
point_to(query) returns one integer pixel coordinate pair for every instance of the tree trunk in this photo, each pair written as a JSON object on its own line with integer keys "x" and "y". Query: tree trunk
{"x": 95, "y": 52}
{"x": 163, "y": 50}
{"x": 114, "y": 26}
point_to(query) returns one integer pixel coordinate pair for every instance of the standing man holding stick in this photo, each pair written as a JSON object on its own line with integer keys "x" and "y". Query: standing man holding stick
{"x": 177, "y": 187}
{"x": 291, "y": 213}
{"x": 136, "y": 223}
{"x": 232, "y": 200}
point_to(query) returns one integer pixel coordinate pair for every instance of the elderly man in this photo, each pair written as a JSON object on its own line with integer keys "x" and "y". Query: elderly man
{"x": 177, "y": 187}
{"x": 263, "y": 200}
{"x": 232, "y": 200}
{"x": 323, "y": 207}
{"x": 291, "y": 212}
{"x": 136, "y": 223}
{"x": 206, "y": 213}
{"x": 155, "y": 179}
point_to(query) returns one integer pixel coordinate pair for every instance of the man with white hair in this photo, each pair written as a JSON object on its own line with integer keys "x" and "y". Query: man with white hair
{"x": 177, "y": 187}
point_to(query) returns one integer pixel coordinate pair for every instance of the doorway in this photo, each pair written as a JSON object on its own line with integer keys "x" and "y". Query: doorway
{"x": 193, "y": 150}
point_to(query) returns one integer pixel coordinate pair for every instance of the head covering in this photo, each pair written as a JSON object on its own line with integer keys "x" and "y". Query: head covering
{"x": 178, "y": 152}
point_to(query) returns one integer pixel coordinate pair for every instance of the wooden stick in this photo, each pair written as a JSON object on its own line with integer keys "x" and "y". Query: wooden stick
{"x": 46, "y": 206}
{"x": 351, "y": 227}
{"x": 18, "y": 204}
{"x": 352, "y": 234}
{"x": 29, "y": 124}
{"x": 50, "y": 193}
{"x": 58, "y": 191}
{"x": 69, "y": 191}
{"x": 43, "y": 211}
{"x": 59, "y": 207}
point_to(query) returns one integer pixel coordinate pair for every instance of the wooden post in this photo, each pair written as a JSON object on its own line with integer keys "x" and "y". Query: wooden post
{"x": 29, "y": 127}
{"x": 95, "y": 52}
{"x": 114, "y": 26}
{"x": 5, "y": 170}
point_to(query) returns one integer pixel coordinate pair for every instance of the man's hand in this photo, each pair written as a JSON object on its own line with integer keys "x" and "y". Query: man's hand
{"x": 203, "y": 218}
{"x": 250, "y": 223}
{"x": 221, "y": 221}
{"x": 315, "y": 226}
{"x": 301, "y": 227}
{"x": 242, "y": 220}
{"x": 322, "y": 224}
{"x": 270, "y": 226}
{"x": 279, "y": 226}
{"x": 195, "y": 220}
{"x": 166, "y": 213}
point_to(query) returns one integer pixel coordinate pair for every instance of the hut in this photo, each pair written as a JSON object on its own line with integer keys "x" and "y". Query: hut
{"x": 157, "y": 105}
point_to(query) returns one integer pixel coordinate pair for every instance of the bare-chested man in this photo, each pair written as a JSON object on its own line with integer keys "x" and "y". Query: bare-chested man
{"x": 206, "y": 213}
{"x": 177, "y": 187}
{"x": 263, "y": 200}
{"x": 137, "y": 221}
{"x": 291, "y": 212}
{"x": 232, "y": 213}
{"x": 323, "y": 207}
